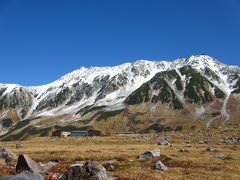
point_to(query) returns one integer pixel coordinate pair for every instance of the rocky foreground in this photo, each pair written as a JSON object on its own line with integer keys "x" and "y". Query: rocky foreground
{"x": 173, "y": 155}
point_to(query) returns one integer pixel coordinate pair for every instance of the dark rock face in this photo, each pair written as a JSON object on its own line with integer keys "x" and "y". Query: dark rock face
{"x": 112, "y": 85}
{"x": 20, "y": 98}
{"x": 79, "y": 91}
{"x": 89, "y": 171}
{"x": 53, "y": 100}
{"x": 26, "y": 175}
{"x": 25, "y": 163}
{"x": 196, "y": 90}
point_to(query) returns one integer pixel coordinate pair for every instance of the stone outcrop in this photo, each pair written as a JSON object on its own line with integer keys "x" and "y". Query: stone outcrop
{"x": 25, "y": 163}
{"x": 89, "y": 170}
{"x": 7, "y": 156}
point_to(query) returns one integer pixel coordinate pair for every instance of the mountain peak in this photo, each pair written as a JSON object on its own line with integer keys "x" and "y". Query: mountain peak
{"x": 203, "y": 59}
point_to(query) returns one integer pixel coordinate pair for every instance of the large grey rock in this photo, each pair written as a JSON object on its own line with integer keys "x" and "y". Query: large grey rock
{"x": 7, "y": 156}
{"x": 160, "y": 166}
{"x": 25, "y": 163}
{"x": 88, "y": 170}
{"x": 150, "y": 154}
{"x": 25, "y": 175}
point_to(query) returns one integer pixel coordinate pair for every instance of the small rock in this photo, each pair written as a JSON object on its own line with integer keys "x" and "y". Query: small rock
{"x": 183, "y": 150}
{"x": 164, "y": 142}
{"x": 150, "y": 154}
{"x": 188, "y": 145}
{"x": 203, "y": 142}
{"x": 211, "y": 148}
{"x": 55, "y": 160}
{"x": 160, "y": 166}
{"x": 19, "y": 146}
{"x": 220, "y": 156}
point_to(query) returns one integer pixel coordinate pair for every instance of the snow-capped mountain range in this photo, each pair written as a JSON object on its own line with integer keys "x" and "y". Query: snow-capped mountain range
{"x": 111, "y": 87}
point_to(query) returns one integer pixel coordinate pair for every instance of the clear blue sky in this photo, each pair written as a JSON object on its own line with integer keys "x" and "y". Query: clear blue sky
{"x": 41, "y": 40}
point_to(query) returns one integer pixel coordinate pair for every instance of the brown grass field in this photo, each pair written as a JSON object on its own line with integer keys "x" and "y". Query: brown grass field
{"x": 197, "y": 163}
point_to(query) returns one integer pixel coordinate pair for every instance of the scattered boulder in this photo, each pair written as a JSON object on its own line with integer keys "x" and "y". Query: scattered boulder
{"x": 19, "y": 146}
{"x": 25, "y": 163}
{"x": 219, "y": 156}
{"x": 164, "y": 142}
{"x": 7, "y": 156}
{"x": 188, "y": 145}
{"x": 89, "y": 171}
{"x": 183, "y": 150}
{"x": 203, "y": 142}
{"x": 211, "y": 148}
{"x": 150, "y": 154}
{"x": 25, "y": 175}
{"x": 231, "y": 140}
{"x": 160, "y": 166}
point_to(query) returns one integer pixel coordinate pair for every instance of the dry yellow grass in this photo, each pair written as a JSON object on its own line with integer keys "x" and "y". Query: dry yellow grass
{"x": 195, "y": 164}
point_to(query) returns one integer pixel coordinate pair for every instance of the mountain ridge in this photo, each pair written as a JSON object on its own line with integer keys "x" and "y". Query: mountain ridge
{"x": 109, "y": 87}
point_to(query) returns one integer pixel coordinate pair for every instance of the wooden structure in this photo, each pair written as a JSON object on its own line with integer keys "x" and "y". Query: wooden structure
{"x": 58, "y": 133}
{"x": 92, "y": 132}
{"x": 79, "y": 133}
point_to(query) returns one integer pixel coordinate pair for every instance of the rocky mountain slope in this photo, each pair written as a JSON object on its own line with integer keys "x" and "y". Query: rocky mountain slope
{"x": 198, "y": 87}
